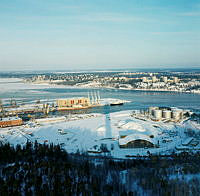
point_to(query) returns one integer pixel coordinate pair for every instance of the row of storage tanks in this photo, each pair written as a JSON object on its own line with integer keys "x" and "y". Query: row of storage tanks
{"x": 172, "y": 113}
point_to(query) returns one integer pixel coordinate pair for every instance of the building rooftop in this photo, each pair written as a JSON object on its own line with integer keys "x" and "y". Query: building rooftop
{"x": 9, "y": 119}
{"x": 72, "y": 98}
{"x": 132, "y": 137}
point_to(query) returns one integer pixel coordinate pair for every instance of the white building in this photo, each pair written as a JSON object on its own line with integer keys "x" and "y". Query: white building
{"x": 165, "y": 79}
{"x": 154, "y": 79}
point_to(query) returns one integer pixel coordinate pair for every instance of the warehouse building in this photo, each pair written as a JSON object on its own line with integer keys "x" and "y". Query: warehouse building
{"x": 137, "y": 135}
{"x": 51, "y": 120}
{"x": 11, "y": 121}
{"x": 137, "y": 141}
{"x": 73, "y": 102}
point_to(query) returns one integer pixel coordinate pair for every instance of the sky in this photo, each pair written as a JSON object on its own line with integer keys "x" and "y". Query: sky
{"x": 99, "y": 34}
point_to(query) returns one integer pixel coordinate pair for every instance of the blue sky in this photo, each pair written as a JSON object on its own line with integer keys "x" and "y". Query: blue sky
{"x": 99, "y": 34}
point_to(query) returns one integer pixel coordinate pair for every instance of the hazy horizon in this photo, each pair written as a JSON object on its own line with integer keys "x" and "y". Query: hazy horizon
{"x": 153, "y": 69}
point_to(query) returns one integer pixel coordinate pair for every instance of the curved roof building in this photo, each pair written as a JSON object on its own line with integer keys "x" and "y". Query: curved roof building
{"x": 137, "y": 141}
{"x": 138, "y": 135}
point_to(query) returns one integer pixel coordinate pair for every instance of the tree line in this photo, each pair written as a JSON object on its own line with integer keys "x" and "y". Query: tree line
{"x": 41, "y": 169}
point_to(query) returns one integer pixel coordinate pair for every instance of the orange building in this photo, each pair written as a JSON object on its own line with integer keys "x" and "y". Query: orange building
{"x": 73, "y": 103}
{"x": 9, "y": 122}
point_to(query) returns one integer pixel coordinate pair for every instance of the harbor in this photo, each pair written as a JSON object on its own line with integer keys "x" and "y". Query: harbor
{"x": 117, "y": 122}
{"x": 39, "y": 110}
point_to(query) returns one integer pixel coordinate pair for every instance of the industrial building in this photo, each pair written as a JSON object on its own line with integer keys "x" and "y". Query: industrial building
{"x": 51, "y": 120}
{"x": 11, "y": 121}
{"x": 30, "y": 108}
{"x": 73, "y": 103}
{"x": 137, "y": 141}
{"x": 136, "y": 135}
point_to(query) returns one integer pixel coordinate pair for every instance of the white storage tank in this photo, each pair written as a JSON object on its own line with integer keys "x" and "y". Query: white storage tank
{"x": 151, "y": 110}
{"x": 167, "y": 114}
{"x": 177, "y": 114}
{"x": 157, "y": 114}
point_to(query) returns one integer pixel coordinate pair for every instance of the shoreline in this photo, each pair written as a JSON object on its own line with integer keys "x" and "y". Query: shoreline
{"x": 166, "y": 90}
{"x": 107, "y": 87}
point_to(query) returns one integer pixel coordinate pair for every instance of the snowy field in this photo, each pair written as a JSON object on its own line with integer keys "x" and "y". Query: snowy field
{"x": 10, "y": 84}
{"x": 91, "y": 131}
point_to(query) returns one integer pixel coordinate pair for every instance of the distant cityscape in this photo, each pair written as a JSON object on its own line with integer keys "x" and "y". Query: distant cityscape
{"x": 169, "y": 81}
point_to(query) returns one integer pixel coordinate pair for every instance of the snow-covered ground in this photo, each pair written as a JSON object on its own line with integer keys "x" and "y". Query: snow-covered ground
{"x": 91, "y": 131}
{"x": 16, "y": 84}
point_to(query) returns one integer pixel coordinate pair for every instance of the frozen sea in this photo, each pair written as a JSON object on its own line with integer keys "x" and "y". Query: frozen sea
{"x": 15, "y": 88}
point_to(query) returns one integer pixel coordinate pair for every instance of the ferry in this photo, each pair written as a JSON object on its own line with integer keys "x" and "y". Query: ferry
{"x": 116, "y": 103}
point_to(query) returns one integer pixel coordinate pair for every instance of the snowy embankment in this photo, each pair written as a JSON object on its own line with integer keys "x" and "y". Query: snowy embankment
{"x": 17, "y": 84}
{"x": 92, "y": 131}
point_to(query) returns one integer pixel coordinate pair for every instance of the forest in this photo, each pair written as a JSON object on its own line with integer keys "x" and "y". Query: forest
{"x": 41, "y": 169}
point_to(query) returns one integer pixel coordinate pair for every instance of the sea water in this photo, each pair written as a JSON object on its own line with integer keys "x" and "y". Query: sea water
{"x": 28, "y": 93}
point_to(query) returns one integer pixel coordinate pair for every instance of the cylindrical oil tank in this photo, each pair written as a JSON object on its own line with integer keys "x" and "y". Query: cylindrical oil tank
{"x": 167, "y": 114}
{"x": 157, "y": 114}
{"x": 176, "y": 114}
{"x": 151, "y": 110}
